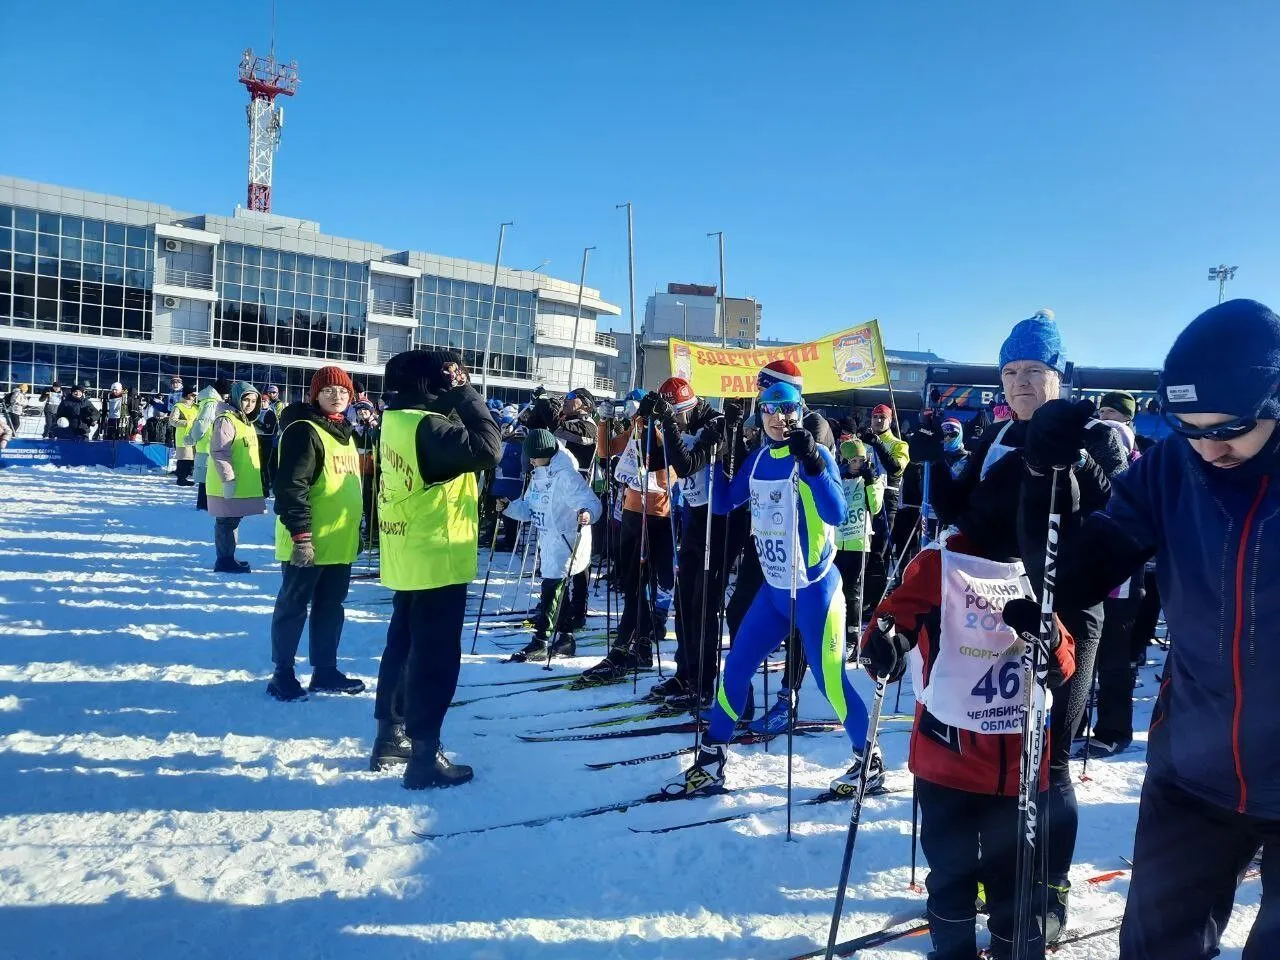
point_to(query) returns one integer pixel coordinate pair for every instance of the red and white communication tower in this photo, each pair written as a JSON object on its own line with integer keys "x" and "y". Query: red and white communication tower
{"x": 265, "y": 80}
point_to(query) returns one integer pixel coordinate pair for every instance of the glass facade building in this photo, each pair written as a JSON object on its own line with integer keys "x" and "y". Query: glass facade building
{"x": 95, "y": 289}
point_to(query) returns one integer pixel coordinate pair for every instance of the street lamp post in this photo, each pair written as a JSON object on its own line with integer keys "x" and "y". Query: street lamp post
{"x": 1222, "y": 273}
{"x": 685, "y": 311}
{"x": 724, "y": 336}
{"x": 493, "y": 306}
{"x": 577, "y": 320}
{"x": 631, "y": 276}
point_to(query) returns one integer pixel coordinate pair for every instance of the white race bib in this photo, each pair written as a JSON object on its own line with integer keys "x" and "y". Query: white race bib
{"x": 694, "y": 486}
{"x": 776, "y": 532}
{"x": 855, "y": 519}
{"x": 628, "y": 470}
{"x": 976, "y": 680}
{"x": 539, "y": 499}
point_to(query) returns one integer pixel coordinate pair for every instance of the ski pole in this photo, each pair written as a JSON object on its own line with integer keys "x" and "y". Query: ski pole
{"x": 702, "y": 616}
{"x": 1088, "y": 734}
{"x": 915, "y": 834}
{"x": 793, "y": 694}
{"x": 677, "y": 598}
{"x": 1034, "y": 674}
{"x": 553, "y": 622}
{"x": 721, "y": 609}
{"x": 493, "y": 543}
{"x": 641, "y": 608}
{"x": 855, "y": 816}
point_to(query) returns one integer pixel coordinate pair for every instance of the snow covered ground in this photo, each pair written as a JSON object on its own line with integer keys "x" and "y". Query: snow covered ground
{"x": 154, "y": 802}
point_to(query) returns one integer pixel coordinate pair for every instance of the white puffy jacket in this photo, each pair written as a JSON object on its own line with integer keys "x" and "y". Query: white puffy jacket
{"x": 551, "y": 503}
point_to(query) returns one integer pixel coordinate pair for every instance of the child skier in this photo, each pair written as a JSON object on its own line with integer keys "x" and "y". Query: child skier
{"x": 559, "y": 502}
{"x": 956, "y": 616}
{"x": 863, "y": 499}
{"x": 796, "y": 499}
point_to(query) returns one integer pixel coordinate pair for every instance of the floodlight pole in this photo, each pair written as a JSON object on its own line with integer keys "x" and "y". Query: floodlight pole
{"x": 1222, "y": 273}
{"x": 724, "y": 323}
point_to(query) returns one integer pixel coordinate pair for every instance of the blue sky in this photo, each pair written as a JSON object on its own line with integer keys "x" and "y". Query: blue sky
{"x": 948, "y": 167}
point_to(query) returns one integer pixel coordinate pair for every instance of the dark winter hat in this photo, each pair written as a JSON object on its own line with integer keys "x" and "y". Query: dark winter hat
{"x": 1226, "y": 361}
{"x": 222, "y": 387}
{"x": 583, "y": 396}
{"x": 421, "y": 370}
{"x": 330, "y": 376}
{"x": 1036, "y": 338}
{"x": 1121, "y": 401}
{"x": 540, "y": 445}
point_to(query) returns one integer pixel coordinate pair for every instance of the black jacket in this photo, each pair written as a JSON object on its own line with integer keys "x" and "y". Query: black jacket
{"x": 81, "y": 414}
{"x": 578, "y": 433}
{"x": 468, "y": 442}
{"x": 687, "y": 462}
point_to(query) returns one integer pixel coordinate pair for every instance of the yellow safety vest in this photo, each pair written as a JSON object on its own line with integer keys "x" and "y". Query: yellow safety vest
{"x": 245, "y": 462}
{"x": 427, "y": 532}
{"x": 184, "y": 415}
{"x": 202, "y": 445}
{"x": 337, "y": 502}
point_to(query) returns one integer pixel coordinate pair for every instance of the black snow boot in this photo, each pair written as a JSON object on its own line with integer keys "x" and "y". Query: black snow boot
{"x": 429, "y": 767}
{"x": 670, "y": 687}
{"x": 534, "y": 651}
{"x": 564, "y": 646}
{"x": 285, "y": 687}
{"x": 230, "y": 565}
{"x": 390, "y": 746}
{"x": 333, "y": 680}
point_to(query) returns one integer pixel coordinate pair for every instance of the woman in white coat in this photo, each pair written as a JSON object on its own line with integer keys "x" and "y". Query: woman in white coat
{"x": 562, "y": 506}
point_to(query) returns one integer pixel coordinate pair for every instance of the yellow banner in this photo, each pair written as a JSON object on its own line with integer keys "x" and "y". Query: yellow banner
{"x": 840, "y": 361}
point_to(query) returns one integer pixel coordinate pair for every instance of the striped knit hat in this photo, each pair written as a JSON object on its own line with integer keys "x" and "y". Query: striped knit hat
{"x": 780, "y": 371}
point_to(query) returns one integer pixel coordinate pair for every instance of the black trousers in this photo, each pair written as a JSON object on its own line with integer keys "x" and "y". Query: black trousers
{"x": 1069, "y": 702}
{"x": 880, "y": 560}
{"x": 202, "y": 498}
{"x": 644, "y": 612}
{"x": 972, "y": 838}
{"x": 698, "y": 636}
{"x": 852, "y": 567}
{"x": 569, "y": 612}
{"x": 419, "y": 670}
{"x": 1114, "y": 721}
{"x": 266, "y": 447}
{"x": 1188, "y": 858}
{"x": 1144, "y": 627}
{"x": 320, "y": 590}
{"x": 185, "y": 469}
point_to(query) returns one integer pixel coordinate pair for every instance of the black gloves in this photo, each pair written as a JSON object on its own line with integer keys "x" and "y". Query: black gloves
{"x": 867, "y": 473}
{"x": 805, "y": 449}
{"x": 1055, "y": 435}
{"x": 661, "y": 408}
{"x": 884, "y": 652}
{"x": 925, "y": 444}
{"x": 735, "y": 414}
{"x": 1023, "y": 615}
{"x": 712, "y": 432}
{"x": 645, "y": 410}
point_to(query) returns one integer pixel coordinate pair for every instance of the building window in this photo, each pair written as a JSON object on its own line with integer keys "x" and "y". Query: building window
{"x": 454, "y": 315}
{"x": 895, "y": 375}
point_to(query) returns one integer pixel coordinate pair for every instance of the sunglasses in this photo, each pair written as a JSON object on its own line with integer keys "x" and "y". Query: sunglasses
{"x": 1221, "y": 432}
{"x": 786, "y": 408}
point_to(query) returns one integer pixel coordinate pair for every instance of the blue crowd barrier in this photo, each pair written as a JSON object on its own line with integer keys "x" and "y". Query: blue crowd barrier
{"x": 84, "y": 453}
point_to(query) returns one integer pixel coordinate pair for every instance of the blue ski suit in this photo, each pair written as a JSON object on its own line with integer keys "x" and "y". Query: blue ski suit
{"x": 790, "y": 509}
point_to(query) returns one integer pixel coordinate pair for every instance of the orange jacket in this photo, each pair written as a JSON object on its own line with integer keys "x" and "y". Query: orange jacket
{"x": 657, "y": 502}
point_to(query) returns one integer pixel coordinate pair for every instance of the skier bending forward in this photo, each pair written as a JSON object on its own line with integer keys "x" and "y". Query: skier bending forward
{"x": 796, "y": 502}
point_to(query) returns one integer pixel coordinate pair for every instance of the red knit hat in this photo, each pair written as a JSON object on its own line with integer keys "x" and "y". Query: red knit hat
{"x": 780, "y": 371}
{"x": 677, "y": 392}
{"x": 330, "y": 377}
{"x": 883, "y": 408}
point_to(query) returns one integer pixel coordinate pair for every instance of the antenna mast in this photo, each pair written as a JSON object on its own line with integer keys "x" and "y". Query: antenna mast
{"x": 265, "y": 79}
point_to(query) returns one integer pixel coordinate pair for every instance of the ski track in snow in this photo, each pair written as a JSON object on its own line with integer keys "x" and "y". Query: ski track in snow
{"x": 156, "y": 803}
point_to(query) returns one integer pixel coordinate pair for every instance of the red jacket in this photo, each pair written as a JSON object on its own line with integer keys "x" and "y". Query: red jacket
{"x": 985, "y": 763}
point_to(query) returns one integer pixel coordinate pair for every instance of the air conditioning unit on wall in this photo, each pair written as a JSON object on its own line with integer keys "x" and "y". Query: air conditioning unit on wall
{"x": 173, "y": 246}
{"x": 172, "y": 303}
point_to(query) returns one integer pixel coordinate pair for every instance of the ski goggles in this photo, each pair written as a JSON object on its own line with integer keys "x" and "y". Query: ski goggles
{"x": 1221, "y": 432}
{"x": 786, "y": 408}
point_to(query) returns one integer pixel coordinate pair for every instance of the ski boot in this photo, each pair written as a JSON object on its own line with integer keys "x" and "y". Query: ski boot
{"x": 688, "y": 699}
{"x": 705, "y": 777}
{"x": 534, "y": 651}
{"x": 1056, "y": 919}
{"x": 619, "y": 662}
{"x": 284, "y": 686}
{"x": 333, "y": 680}
{"x": 778, "y": 717}
{"x": 564, "y": 645}
{"x": 847, "y": 784}
{"x": 390, "y": 746}
{"x": 429, "y": 767}
{"x": 666, "y": 689}
{"x": 1100, "y": 747}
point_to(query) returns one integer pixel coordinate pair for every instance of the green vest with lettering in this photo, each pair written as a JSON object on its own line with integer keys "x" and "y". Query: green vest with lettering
{"x": 427, "y": 533}
{"x": 337, "y": 503}
{"x": 202, "y": 445}
{"x": 245, "y": 462}
{"x": 184, "y": 415}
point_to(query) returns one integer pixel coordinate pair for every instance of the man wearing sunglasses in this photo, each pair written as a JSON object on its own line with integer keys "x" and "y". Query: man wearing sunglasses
{"x": 1205, "y": 503}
